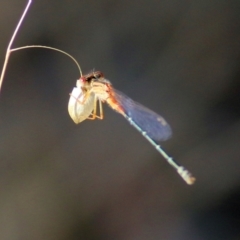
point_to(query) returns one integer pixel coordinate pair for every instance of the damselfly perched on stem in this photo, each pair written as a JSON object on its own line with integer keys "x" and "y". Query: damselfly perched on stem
{"x": 93, "y": 89}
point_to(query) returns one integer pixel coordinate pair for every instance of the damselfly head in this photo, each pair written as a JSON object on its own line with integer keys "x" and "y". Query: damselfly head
{"x": 88, "y": 80}
{"x": 99, "y": 77}
{"x": 91, "y": 77}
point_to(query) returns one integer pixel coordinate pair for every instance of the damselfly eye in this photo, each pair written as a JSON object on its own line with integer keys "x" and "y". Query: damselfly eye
{"x": 82, "y": 79}
{"x": 98, "y": 75}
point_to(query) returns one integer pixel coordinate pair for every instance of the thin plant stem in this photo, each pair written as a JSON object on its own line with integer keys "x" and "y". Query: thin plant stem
{"x": 51, "y": 48}
{"x": 11, "y": 42}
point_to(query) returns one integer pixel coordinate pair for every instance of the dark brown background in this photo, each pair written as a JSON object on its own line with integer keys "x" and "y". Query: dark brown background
{"x": 102, "y": 179}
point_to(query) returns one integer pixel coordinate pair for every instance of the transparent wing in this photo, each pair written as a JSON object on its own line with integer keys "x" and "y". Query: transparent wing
{"x": 150, "y": 122}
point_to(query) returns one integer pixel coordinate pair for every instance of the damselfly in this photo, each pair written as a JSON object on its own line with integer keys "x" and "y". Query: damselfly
{"x": 93, "y": 89}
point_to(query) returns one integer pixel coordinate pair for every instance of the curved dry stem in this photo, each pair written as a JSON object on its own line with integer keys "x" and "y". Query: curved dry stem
{"x": 11, "y": 41}
{"x": 51, "y": 48}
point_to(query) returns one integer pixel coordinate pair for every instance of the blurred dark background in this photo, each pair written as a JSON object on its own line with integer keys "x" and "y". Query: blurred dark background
{"x": 102, "y": 179}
